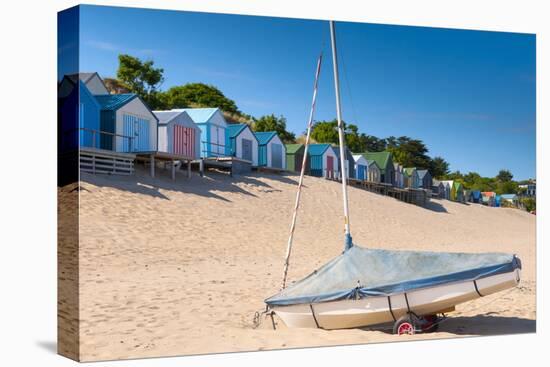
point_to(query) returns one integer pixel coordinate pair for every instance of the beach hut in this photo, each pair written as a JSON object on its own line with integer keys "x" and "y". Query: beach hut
{"x": 361, "y": 167}
{"x": 214, "y": 137}
{"x": 509, "y": 200}
{"x": 92, "y": 81}
{"x": 412, "y": 179}
{"x": 497, "y": 201}
{"x": 349, "y": 162}
{"x": 458, "y": 191}
{"x": 178, "y": 134}
{"x": 79, "y": 116}
{"x": 425, "y": 179}
{"x": 243, "y": 143}
{"x": 323, "y": 161}
{"x": 448, "y": 188}
{"x": 373, "y": 172}
{"x": 438, "y": 189}
{"x": 127, "y": 124}
{"x": 384, "y": 161}
{"x": 488, "y": 198}
{"x": 475, "y": 196}
{"x": 295, "y": 157}
{"x": 271, "y": 150}
{"x": 399, "y": 179}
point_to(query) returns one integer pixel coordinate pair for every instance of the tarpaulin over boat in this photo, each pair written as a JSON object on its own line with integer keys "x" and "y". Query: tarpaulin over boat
{"x": 360, "y": 272}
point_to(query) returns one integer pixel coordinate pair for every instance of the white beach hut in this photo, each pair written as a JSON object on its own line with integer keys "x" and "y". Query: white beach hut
{"x": 178, "y": 134}
{"x": 243, "y": 142}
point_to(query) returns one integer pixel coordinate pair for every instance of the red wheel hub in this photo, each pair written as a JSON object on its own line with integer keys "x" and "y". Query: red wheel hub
{"x": 405, "y": 328}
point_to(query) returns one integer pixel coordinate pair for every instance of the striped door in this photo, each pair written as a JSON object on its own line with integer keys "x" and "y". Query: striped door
{"x": 184, "y": 141}
{"x": 136, "y": 132}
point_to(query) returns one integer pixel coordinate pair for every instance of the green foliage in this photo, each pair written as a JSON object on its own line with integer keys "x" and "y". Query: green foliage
{"x": 274, "y": 123}
{"x": 504, "y": 175}
{"x": 142, "y": 78}
{"x": 198, "y": 95}
{"x": 530, "y": 204}
{"x": 327, "y": 132}
{"x": 439, "y": 167}
{"x": 409, "y": 152}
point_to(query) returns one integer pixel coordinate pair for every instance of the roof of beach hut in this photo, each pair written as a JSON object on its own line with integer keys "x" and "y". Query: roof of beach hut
{"x": 382, "y": 159}
{"x": 233, "y": 130}
{"x": 164, "y": 117}
{"x": 318, "y": 149}
{"x": 422, "y": 173}
{"x": 359, "y": 157}
{"x": 410, "y": 170}
{"x": 294, "y": 148}
{"x": 509, "y": 196}
{"x": 488, "y": 193}
{"x": 111, "y": 102}
{"x": 371, "y": 162}
{"x": 200, "y": 115}
{"x": 265, "y": 137}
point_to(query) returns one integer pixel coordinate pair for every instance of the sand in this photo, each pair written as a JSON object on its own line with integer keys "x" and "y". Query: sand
{"x": 176, "y": 268}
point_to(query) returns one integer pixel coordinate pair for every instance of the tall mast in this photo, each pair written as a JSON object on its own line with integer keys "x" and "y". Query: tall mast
{"x": 302, "y": 172}
{"x": 348, "y": 242}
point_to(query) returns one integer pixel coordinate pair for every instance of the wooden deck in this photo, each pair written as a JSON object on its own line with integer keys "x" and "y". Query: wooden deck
{"x": 93, "y": 160}
{"x": 419, "y": 197}
{"x": 175, "y": 161}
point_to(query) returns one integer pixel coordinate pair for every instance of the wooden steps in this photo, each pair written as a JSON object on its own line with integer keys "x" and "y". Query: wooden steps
{"x": 106, "y": 162}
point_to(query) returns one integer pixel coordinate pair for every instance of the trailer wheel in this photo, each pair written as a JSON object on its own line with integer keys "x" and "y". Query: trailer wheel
{"x": 404, "y": 326}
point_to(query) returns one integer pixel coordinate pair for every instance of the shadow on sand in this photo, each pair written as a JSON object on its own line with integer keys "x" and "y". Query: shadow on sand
{"x": 435, "y": 207}
{"x": 211, "y": 186}
{"x": 488, "y": 325}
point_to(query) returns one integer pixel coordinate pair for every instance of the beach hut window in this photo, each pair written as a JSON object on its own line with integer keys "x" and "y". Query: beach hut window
{"x": 277, "y": 155}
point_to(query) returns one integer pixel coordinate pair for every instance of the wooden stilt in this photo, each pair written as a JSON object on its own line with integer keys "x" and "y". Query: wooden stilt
{"x": 188, "y": 169}
{"x": 173, "y": 170}
{"x": 152, "y": 165}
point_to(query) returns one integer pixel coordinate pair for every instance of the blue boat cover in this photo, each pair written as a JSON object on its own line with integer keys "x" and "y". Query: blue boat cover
{"x": 360, "y": 272}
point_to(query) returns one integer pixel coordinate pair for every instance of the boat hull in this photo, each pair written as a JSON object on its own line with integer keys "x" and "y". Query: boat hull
{"x": 345, "y": 314}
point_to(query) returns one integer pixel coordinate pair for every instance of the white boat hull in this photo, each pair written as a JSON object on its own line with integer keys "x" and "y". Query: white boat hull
{"x": 376, "y": 310}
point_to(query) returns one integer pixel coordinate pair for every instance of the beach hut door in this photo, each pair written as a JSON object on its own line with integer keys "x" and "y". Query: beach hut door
{"x": 247, "y": 149}
{"x": 184, "y": 141}
{"x": 136, "y": 131}
{"x": 330, "y": 166}
{"x": 277, "y": 155}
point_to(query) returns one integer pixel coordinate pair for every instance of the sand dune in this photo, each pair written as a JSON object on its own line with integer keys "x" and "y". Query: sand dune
{"x": 180, "y": 268}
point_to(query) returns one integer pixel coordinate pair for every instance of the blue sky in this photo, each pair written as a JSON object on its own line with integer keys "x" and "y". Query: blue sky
{"x": 469, "y": 95}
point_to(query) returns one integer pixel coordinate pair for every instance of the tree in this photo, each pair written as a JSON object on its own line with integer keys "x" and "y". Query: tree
{"x": 142, "y": 78}
{"x": 198, "y": 95}
{"x": 274, "y": 123}
{"x": 327, "y": 132}
{"x": 438, "y": 167}
{"x": 504, "y": 175}
{"x": 115, "y": 86}
{"x": 409, "y": 152}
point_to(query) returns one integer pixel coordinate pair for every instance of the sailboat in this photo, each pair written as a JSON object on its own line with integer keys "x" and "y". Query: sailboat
{"x": 363, "y": 287}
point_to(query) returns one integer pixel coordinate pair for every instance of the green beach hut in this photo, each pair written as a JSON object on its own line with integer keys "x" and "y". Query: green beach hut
{"x": 295, "y": 157}
{"x": 384, "y": 161}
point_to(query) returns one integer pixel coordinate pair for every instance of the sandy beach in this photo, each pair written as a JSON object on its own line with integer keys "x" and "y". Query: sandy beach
{"x": 177, "y": 268}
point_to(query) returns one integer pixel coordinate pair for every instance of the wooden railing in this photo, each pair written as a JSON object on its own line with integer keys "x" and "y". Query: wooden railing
{"x": 207, "y": 149}
{"x": 96, "y": 134}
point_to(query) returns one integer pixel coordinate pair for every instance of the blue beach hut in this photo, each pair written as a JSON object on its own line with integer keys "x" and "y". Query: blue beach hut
{"x": 79, "y": 116}
{"x": 323, "y": 161}
{"x": 127, "y": 124}
{"x": 215, "y": 140}
{"x": 271, "y": 150}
